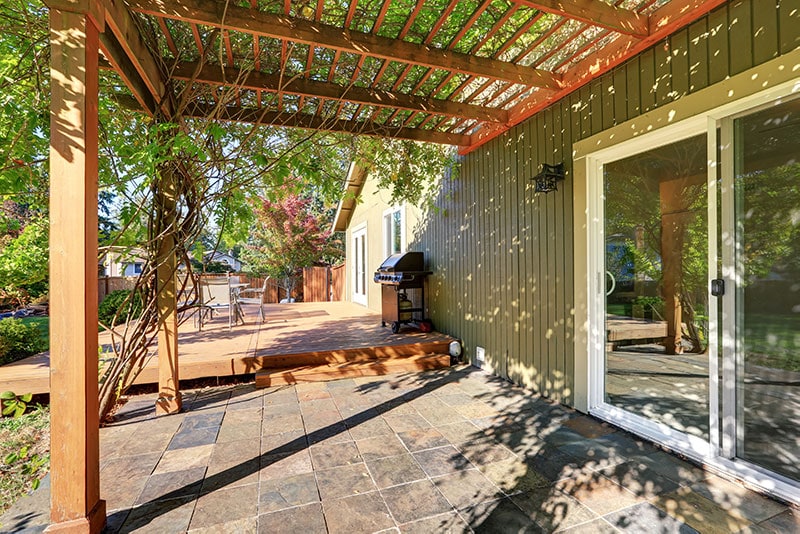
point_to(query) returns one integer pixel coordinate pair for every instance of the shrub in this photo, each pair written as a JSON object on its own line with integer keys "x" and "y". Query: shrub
{"x": 19, "y": 340}
{"x": 114, "y": 303}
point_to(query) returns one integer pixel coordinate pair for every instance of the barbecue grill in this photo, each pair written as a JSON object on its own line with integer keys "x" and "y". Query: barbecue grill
{"x": 402, "y": 276}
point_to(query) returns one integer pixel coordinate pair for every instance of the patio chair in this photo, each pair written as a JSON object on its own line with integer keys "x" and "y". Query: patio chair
{"x": 189, "y": 298}
{"x": 215, "y": 294}
{"x": 258, "y": 297}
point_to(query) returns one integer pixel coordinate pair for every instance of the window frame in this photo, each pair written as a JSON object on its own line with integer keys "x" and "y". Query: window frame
{"x": 388, "y": 228}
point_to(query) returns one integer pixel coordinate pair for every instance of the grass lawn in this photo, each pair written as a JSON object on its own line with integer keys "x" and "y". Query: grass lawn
{"x": 773, "y": 340}
{"x": 27, "y": 437}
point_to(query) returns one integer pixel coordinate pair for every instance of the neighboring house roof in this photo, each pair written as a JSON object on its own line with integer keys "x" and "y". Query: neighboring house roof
{"x": 121, "y": 253}
{"x": 356, "y": 177}
{"x": 219, "y": 255}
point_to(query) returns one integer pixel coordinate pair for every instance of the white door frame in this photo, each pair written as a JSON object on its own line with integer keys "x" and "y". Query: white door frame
{"x": 359, "y": 271}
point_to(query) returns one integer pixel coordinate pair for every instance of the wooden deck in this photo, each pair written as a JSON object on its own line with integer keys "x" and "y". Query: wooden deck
{"x": 293, "y": 335}
{"x": 621, "y": 328}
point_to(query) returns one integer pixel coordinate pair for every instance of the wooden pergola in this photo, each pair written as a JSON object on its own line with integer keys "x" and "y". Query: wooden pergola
{"x": 442, "y": 71}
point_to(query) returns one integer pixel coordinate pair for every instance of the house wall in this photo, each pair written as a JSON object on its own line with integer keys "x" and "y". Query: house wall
{"x": 503, "y": 257}
{"x": 369, "y": 211}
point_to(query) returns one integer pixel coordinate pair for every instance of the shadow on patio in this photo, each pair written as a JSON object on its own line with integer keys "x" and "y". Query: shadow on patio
{"x": 451, "y": 450}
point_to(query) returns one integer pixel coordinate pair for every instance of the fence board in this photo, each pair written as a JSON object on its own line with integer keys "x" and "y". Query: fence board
{"x": 337, "y": 282}
{"x": 107, "y": 284}
{"x": 315, "y": 284}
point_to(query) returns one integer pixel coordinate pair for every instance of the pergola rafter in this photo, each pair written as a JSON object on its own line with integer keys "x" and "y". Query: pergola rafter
{"x": 311, "y": 122}
{"x": 595, "y": 12}
{"x": 227, "y": 76}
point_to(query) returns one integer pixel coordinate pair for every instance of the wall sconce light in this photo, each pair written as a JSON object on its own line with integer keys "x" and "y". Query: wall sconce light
{"x": 548, "y": 178}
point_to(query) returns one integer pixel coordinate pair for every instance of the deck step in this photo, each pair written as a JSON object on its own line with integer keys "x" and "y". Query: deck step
{"x": 334, "y": 371}
{"x": 361, "y": 354}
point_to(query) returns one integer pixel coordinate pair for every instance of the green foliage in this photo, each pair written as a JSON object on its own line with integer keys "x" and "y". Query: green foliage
{"x": 24, "y": 101}
{"x": 14, "y": 405}
{"x": 409, "y": 169}
{"x": 30, "y": 463}
{"x": 42, "y": 323}
{"x": 771, "y": 340}
{"x": 213, "y": 267}
{"x": 19, "y": 340}
{"x": 24, "y": 260}
{"x": 119, "y": 306}
{"x": 770, "y": 230}
{"x": 24, "y": 453}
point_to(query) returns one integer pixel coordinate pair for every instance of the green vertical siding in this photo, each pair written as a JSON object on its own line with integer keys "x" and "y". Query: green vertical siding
{"x": 502, "y": 256}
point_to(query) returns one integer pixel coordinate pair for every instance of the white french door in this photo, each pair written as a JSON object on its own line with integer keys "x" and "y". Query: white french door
{"x": 359, "y": 271}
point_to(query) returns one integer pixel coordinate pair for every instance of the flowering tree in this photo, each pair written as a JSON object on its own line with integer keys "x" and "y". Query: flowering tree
{"x": 288, "y": 236}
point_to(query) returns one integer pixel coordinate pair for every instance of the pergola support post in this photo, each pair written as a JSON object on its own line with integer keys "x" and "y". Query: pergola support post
{"x": 75, "y": 504}
{"x": 169, "y": 395}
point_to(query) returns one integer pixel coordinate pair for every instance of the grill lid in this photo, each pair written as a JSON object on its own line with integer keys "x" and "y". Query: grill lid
{"x": 404, "y": 261}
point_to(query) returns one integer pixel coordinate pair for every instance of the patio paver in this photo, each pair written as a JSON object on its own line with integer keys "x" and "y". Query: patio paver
{"x": 360, "y": 455}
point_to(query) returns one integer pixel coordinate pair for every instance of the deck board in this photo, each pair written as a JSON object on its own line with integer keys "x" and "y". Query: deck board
{"x": 290, "y": 329}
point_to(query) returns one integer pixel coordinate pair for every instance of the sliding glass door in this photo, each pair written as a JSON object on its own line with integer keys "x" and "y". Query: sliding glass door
{"x": 696, "y": 331}
{"x": 656, "y": 271}
{"x": 765, "y": 257}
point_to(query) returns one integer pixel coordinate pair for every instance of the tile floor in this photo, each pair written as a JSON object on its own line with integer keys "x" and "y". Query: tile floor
{"x": 444, "y": 451}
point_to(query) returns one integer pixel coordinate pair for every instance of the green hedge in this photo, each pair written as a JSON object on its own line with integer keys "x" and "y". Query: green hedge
{"x": 19, "y": 340}
{"x": 114, "y": 301}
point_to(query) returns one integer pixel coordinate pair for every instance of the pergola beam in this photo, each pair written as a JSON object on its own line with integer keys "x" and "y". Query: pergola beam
{"x": 120, "y": 21}
{"x": 312, "y": 122}
{"x": 255, "y": 80}
{"x": 121, "y": 63}
{"x": 229, "y": 17}
{"x": 596, "y": 13}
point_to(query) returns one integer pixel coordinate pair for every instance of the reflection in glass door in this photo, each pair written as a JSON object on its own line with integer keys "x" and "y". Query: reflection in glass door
{"x": 766, "y": 174}
{"x": 656, "y": 249}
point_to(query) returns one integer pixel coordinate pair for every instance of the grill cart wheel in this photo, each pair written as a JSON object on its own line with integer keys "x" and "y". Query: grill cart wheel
{"x": 395, "y": 327}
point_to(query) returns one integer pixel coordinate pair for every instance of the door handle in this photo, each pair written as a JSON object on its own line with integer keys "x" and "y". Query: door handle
{"x": 717, "y": 287}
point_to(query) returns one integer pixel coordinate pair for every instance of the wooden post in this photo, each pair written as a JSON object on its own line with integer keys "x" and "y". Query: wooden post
{"x": 673, "y": 229}
{"x": 673, "y": 232}
{"x": 676, "y": 196}
{"x": 75, "y": 504}
{"x": 169, "y": 395}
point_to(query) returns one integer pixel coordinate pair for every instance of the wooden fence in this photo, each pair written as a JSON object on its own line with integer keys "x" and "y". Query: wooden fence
{"x": 320, "y": 284}
{"x": 323, "y": 284}
{"x": 107, "y": 284}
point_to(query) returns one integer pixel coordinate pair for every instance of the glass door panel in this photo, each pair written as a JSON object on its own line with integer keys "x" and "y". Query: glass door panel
{"x": 767, "y": 215}
{"x": 360, "y": 266}
{"x": 656, "y": 244}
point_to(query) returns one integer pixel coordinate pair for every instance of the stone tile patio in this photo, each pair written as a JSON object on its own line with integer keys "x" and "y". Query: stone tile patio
{"x": 445, "y": 451}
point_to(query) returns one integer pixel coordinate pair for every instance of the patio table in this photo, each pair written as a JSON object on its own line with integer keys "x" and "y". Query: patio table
{"x": 236, "y": 307}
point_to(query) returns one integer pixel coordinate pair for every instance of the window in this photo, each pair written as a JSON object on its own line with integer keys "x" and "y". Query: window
{"x": 394, "y": 237}
{"x": 132, "y": 269}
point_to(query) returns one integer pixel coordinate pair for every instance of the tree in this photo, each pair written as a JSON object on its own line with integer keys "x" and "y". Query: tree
{"x": 287, "y": 236}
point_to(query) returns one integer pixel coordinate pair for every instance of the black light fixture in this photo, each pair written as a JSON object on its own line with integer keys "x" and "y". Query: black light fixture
{"x": 548, "y": 178}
